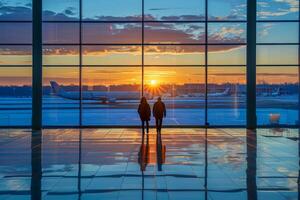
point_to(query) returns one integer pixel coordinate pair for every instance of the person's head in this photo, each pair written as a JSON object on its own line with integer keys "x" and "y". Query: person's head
{"x": 143, "y": 100}
{"x": 159, "y": 99}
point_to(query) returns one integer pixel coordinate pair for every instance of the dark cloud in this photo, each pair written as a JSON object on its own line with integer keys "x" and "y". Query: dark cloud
{"x": 278, "y": 74}
{"x": 52, "y": 16}
{"x": 15, "y": 13}
{"x": 229, "y": 17}
{"x": 162, "y": 33}
{"x": 184, "y": 18}
{"x": 114, "y": 18}
{"x": 159, "y": 9}
{"x": 71, "y": 11}
{"x": 227, "y": 74}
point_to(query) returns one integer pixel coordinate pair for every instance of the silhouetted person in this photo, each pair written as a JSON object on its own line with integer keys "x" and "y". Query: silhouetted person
{"x": 144, "y": 111}
{"x": 159, "y": 112}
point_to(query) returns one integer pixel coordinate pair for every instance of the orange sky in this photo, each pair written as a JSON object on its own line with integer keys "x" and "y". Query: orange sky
{"x": 162, "y": 75}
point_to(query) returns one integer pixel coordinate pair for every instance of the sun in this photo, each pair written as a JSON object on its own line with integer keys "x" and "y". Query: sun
{"x": 153, "y": 82}
{"x": 154, "y": 87}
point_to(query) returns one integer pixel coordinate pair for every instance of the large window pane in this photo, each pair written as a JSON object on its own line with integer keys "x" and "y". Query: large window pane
{"x": 15, "y": 55}
{"x": 111, "y": 95}
{"x": 226, "y": 95}
{"x": 226, "y": 55}
{"x": 57, "y": 33}
{"x": 15, "y": 96}
{"x": 60, "y": 96}
{"x": 277, "y": 32}
{"x": 277, "y": 54}
{"x": 112, "y": 55}
{"x": 112, "y": 10}
{"x": 16, "y": 10}
{"x": 174, "y": 33}
{"x": 183, "y": 91}
{"x": 174, "y": 55}
{"x": 60, "y": 10}
{"x": 112, "y": 33}
{"x": 15, "y": 33}
{"x": 227, "y": 10}
{"x": 277, "y": 10}
{"x": 227, "y": 33}
{"x": 277, "y": 95}
{"x": 60, "y": 55}
{"x": 175, "y": 10}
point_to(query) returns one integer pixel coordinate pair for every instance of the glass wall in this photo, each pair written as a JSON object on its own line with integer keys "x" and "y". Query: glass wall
{"x": 15, "y": 62}
{"x": 117, "y": 55}
{"x": 174, "y": 58}
{"x": 100, "y": 57}
{"x": 226, "y": 64}
{"x": 61, "y": 63}
{"x": 277, "y": 62}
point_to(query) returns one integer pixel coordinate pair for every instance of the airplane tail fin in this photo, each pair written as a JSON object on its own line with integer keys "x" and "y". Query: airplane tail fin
{"x": 56, "y": 88}
{"x": 226, "y": 92}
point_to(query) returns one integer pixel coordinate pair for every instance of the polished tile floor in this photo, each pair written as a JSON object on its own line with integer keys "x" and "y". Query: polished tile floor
{"x": 181, "y": 164}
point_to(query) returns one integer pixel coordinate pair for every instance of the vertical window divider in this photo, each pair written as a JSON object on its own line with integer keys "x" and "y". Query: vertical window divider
{"x": 251, "y": 64}
{"x": 206, "y": 64}
{"x": 298, "y": 123}
{"x": 37, "y": 63}
{"x": 80, "y": 63}
{"x": 143, "y": 40}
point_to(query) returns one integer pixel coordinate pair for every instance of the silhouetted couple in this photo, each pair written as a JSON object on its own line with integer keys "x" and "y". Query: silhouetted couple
{"x": 159, "y": 112}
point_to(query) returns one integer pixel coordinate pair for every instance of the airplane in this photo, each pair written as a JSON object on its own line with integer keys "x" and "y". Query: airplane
{"x": 272, "y": 94}
{"x": 276, "y": 93}
{"x": 103, "y": 96}
{"x": 217, "y": 94}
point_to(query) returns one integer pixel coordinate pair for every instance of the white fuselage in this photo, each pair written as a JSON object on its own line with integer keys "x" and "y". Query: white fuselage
{"x": 102, "y": 96}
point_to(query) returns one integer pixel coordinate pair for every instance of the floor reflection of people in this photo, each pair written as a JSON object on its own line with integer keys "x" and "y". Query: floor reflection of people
{"x": 151, "y": 153}
{"x": 144, "y": 154}
{"x": 36, "y": 165}
{"x": 143, "y": 157}
{"x": 160, "y": 152}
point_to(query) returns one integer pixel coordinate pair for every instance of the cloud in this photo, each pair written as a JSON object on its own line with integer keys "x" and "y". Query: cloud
{"x": 15, "y": 50}
{"x": 114, "y": 18}
{"x": 67, "y": 50}
{"x": 291, "y": 75}
{"x": 228, "y": 74}
{"x": 15, "y": 13}
{"x": 183, "y": 18}
{"x": 52, "y": 16}
{"x": 162, "y": 33}
{"x": 71, "y": 11}
{"x": 158, "y": 9}
{"x": 265, "y": 29}
{"x": 278, "y": 8}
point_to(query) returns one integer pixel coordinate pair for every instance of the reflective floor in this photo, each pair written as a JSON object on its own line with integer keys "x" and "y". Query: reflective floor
{"x": 181, "y": 164}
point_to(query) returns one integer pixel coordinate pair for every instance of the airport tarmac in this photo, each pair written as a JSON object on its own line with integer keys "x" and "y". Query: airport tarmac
{"x": 180, "y": 111}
